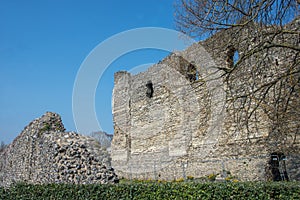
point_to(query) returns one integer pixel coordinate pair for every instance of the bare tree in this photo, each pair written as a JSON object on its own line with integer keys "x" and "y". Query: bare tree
{"x": 2, "y": 146}
{"x": 259, "y": 41}
{"x": 202, "y": 17}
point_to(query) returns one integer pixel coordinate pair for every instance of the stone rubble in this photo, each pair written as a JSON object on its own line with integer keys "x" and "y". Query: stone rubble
{"x": 44, "y": 153}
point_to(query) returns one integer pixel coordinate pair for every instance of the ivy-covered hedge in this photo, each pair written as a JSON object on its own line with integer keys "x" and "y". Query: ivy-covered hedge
{"x": 255, "y": 190}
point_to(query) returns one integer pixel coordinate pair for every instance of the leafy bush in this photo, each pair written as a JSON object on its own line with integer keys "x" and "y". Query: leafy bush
{"x": 179, "y": 180}
{"x": 212, "y": 177}
{"x": 168, "y": 190}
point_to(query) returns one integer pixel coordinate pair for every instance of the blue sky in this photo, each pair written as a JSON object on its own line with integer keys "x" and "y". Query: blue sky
{"x": 43, "y": 43}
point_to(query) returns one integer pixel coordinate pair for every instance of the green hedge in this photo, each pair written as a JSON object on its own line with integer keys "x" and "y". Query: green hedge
{"x": 248, "y": 190}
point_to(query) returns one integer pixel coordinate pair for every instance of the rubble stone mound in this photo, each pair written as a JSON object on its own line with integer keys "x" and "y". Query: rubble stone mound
{"x": 44, "y": 153}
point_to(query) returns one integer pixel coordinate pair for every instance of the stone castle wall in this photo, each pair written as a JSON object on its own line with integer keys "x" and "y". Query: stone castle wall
{"x": 44, "y": 153}
{"x": 185, "y": 124}
{"x": 190, "y": 127}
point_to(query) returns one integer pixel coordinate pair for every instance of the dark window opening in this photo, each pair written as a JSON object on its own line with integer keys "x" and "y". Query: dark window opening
{"x": 278, "y": 167}
{"x": 192, "y": 73}
{"x": 149, "y": 91}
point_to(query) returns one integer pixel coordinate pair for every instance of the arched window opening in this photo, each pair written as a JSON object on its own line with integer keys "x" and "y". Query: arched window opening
{"x": 192, "y": 73}
{"x": 232, "y": 56}
{"x": 197, "y": 75}
{"x": 149, "y": 92}
{"x": 235, "y": 57}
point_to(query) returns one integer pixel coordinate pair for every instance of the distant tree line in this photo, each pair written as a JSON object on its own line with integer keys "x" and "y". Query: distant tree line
{"x": 103, "y": 138}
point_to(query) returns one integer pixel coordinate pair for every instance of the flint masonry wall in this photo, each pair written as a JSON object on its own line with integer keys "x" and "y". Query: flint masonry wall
{"x": 154, "y": 124}
{"x": 190, "y": 127}
{"x": 176, "y": 132}
{"x": 44, "y": 153}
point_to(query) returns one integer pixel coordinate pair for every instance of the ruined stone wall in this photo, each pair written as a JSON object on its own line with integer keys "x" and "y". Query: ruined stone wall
{"x": 44, "y": 153}
{"x": 268, "y": 120}
{"x": 192, "y": 128}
